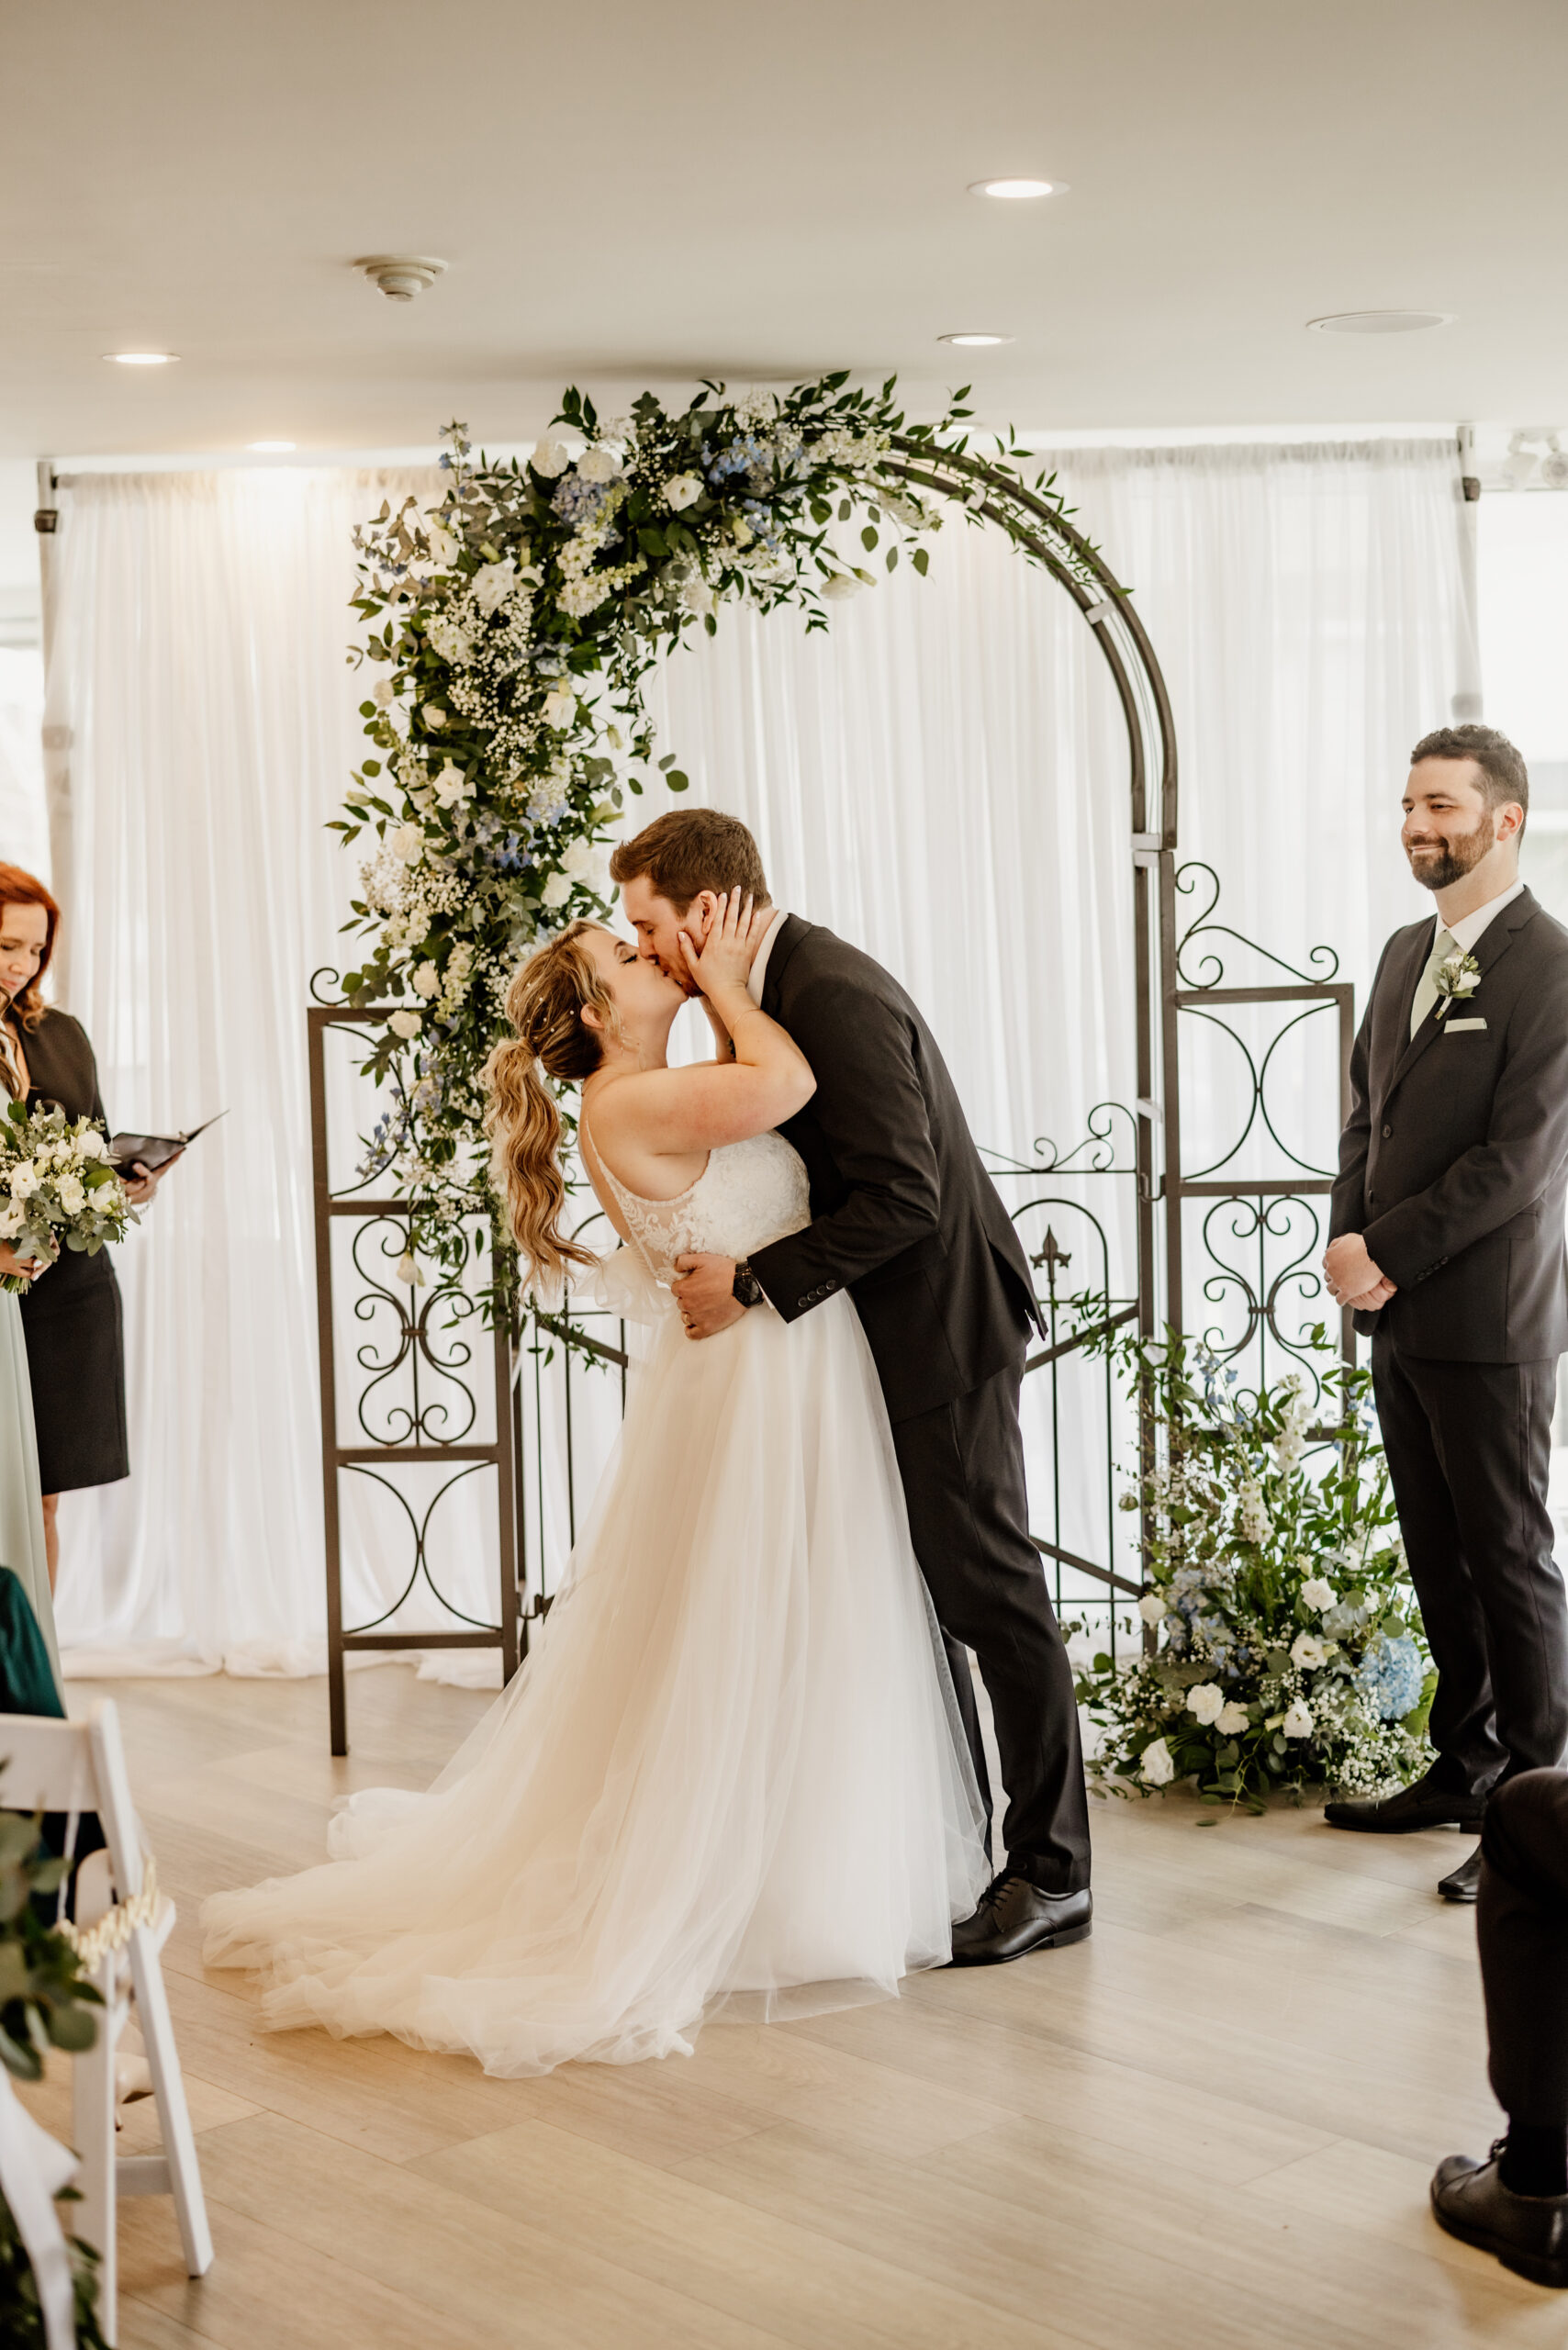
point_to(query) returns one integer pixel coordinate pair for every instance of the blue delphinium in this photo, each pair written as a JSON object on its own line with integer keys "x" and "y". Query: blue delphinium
{"x": 1390, "y": 1678}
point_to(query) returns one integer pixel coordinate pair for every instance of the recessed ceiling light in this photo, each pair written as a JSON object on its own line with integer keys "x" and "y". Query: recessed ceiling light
{"x": 272, "y": 448}
{"x": 143, "y": 358}
{"x": 1017, "y": 191}
{"x": 1381, "y": 322}
{"x": 973, "y": 341}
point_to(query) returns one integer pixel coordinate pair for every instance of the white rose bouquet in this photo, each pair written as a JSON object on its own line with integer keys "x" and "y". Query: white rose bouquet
{"x": 57, "y": 1188}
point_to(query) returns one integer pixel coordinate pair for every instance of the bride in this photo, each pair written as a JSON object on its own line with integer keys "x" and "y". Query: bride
{"x": 730, "y": 1777}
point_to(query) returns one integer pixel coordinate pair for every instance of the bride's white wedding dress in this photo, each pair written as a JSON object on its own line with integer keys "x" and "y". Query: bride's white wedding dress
{"x": 730, "y": 1776}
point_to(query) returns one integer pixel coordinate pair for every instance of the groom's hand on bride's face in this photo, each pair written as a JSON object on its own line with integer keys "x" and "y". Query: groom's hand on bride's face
{"x": 705, "y": 1294}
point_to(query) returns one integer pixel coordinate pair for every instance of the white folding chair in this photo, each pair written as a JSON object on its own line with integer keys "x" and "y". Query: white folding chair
{"x": 79, "y": 1766}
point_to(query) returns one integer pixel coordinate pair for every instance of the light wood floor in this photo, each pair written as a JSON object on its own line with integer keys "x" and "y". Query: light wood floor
{"x": 1209, "y": 2128}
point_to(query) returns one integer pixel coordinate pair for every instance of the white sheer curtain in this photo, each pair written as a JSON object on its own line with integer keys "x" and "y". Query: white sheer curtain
{"x": 941, "y": 777}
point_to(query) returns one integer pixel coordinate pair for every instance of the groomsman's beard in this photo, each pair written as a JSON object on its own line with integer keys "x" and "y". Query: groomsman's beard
{"x": 1443, "y": 863}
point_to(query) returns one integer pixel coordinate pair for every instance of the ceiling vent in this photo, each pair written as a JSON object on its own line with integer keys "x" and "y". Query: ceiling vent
{"x": 401, "y": 276}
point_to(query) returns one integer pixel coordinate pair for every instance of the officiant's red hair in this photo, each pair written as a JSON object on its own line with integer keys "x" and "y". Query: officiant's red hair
{"x": 19, "y": 888}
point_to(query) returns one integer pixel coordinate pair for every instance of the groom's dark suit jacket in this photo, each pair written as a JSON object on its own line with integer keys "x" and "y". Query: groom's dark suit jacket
{"x": 1455, "y": 1156}
{"x": 904, "y": 1216}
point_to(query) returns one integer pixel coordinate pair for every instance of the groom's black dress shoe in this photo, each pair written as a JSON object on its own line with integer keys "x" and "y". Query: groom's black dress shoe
{"x": 1528, "y": 2234}
{"x": 1462, "y": 1884}
{"x": 1014, "y": 1917}
{"x": 1422, "y": 1805}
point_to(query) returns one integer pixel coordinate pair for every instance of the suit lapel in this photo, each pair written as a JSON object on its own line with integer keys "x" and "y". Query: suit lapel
{"x": 1489, "y": 950}
{"x": 792, "y": 931}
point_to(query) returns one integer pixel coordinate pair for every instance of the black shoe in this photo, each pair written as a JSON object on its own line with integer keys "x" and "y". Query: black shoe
{"x": 1528, "y": 2234}
{"x": 1015, "y": 1917}
{"x": 1462, "y": 1884}
{"x": 1422, "y": 1805}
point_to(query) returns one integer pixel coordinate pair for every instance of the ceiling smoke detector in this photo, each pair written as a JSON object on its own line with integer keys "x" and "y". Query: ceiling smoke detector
{"x": 401, "y": 276}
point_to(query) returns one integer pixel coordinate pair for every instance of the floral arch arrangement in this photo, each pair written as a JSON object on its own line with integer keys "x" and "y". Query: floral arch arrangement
{"x": 511, "y": 628}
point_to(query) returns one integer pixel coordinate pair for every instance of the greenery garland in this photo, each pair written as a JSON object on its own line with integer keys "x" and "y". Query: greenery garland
{"x": 513, "y": 627}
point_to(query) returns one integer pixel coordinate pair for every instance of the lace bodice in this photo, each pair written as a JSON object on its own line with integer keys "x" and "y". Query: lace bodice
{"x": 749, "y": 1193}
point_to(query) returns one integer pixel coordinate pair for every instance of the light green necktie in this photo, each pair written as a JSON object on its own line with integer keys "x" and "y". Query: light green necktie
{"x": 1443, "y": 945}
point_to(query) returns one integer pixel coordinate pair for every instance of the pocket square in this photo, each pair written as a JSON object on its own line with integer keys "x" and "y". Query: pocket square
{"x": 1453, "y": 1026}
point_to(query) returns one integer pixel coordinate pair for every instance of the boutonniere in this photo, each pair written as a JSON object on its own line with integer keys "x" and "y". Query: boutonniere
{"x": 1458, "y": 979}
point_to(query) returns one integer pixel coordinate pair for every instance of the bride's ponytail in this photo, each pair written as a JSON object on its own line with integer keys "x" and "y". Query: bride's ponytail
{"x": 544, "y": 1004}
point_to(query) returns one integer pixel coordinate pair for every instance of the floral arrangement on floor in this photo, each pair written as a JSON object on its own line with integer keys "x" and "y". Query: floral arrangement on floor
{"x": 1288, "y": 1648}
{"x": 57, "y": 1187}
{"x": 45, "y": 2000}
{"x": 511, "y": 628}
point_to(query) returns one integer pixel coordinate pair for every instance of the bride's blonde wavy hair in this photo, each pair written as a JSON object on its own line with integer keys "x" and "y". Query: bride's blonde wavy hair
{"x": 544, "y": 1004}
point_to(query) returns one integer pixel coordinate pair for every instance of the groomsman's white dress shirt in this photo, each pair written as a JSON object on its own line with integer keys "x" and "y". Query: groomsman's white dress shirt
{"x": 1469, "y": 927}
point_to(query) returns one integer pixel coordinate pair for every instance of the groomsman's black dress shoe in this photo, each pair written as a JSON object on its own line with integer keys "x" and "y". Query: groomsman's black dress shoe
{"x": 1528, "y": 2234}
{"x": 1463, "y": 1883}
{"x": 1422, "y": 1805}
{"x": 1014, "y": 1917}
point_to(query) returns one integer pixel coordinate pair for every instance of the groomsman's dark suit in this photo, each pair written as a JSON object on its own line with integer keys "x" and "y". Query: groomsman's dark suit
{"x": 906, "y": 1219}
{"x": 1453, "y": 1167}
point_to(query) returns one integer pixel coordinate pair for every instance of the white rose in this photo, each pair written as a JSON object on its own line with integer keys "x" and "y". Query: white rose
{"x": 839, "y": 585}
{"x": 407, "y": 844}
{"x": 1298, "y": 1721}
{"x": 1308, "y": 1651}
{"x": 550, "y": 459}
{"x": 451, "y": 785}
{"x": 1152, "y": 1608}
{"x": 1319, "y": 1593}
{"x": 24, "y": 1179}
{"x": 405, "y": 1024}
{"x": 92, "y": 1144}
{"x": 599, "y": 464}
{"x": 426, "y": 980}
{"x": 682, "y": 490}
{"x": 1207, "y": 1702}
{"x": 444, "y": 549}
{"x": 556, "y": 892}
{"x": 1233, "y": 1720}
{"x": 560, "y": 707}
{"x": 433, "y": 715}
{"x": 1155, "y": 1764}
{"x": 494, "y": 584}
{"x": 72, "y": 1197}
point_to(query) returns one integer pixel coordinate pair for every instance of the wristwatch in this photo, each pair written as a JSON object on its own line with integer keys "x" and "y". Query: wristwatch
{"x": 747, "y": 1289}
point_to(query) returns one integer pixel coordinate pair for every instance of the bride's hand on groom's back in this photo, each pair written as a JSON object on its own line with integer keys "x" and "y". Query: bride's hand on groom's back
{"x": 735, "y": 933}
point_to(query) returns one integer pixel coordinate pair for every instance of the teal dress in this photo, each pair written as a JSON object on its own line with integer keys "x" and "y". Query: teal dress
{"x": 21, "y": 1511}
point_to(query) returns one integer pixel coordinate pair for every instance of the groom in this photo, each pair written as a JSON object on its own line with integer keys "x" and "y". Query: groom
{"x": 906, "y": 1219}
{"x": 1448, "y": 1239}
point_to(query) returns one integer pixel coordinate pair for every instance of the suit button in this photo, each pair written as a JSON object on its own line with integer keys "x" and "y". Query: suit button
{"x": 1387, "y": 1132}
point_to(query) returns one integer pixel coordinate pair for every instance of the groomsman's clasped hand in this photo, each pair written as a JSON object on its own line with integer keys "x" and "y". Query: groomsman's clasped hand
{"x": 1353, "y": 1280}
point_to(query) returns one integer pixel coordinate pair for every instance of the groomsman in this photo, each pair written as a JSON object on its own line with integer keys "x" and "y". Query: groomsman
{"x": 1447, "y": 1237}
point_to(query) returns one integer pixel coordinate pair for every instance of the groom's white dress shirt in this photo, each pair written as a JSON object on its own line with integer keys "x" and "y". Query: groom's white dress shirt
{"x": 759, "y": 962}
{"x": 1469, "y": 927}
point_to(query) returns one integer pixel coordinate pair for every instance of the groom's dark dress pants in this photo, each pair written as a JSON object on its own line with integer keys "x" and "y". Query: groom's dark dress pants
{"x": 962, "y": 1467}
{"x": 1469, "y": 1448}
{"x": 1522, "y": 1924}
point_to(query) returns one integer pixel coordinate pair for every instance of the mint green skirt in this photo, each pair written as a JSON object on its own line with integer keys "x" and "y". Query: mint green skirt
{"x": 21, "y": 1511}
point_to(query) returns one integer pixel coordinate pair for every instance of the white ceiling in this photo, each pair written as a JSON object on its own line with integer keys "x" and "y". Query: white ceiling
{"x": 633, "y": 195}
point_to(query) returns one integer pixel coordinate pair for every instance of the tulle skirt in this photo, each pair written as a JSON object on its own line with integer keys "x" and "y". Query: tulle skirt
{"x": 729, "y": 1779}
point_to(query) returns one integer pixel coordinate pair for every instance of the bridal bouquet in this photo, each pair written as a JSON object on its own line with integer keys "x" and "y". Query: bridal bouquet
{"x": 1289, "y": 1650}
{"x": 56, "y": 1187}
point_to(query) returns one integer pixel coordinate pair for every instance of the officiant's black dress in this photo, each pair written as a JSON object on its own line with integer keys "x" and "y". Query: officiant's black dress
{"x": 71, "y": 1315}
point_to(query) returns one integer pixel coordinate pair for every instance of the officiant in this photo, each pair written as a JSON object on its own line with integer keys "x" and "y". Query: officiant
{"x": 72, "y": 1315}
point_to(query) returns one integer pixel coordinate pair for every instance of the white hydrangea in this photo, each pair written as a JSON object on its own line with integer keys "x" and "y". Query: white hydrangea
{"x": 581, "y": 861}
{"x": 1207, "y": 1702}
{"x": 1155, "y": 1764}
{"x": 599, "y": 464}
{"x": 550, "y": 459}
{"x": 426, "y": 980}
{"x": 1233, "y": 1719}
{"x": 556, "y": 892}
{"x": 493, "y": 584}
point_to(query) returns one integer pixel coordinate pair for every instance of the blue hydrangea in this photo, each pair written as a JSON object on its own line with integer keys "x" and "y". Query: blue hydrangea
{"x": 1389, "y": 1678}
{"x": 579, "y": 502}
